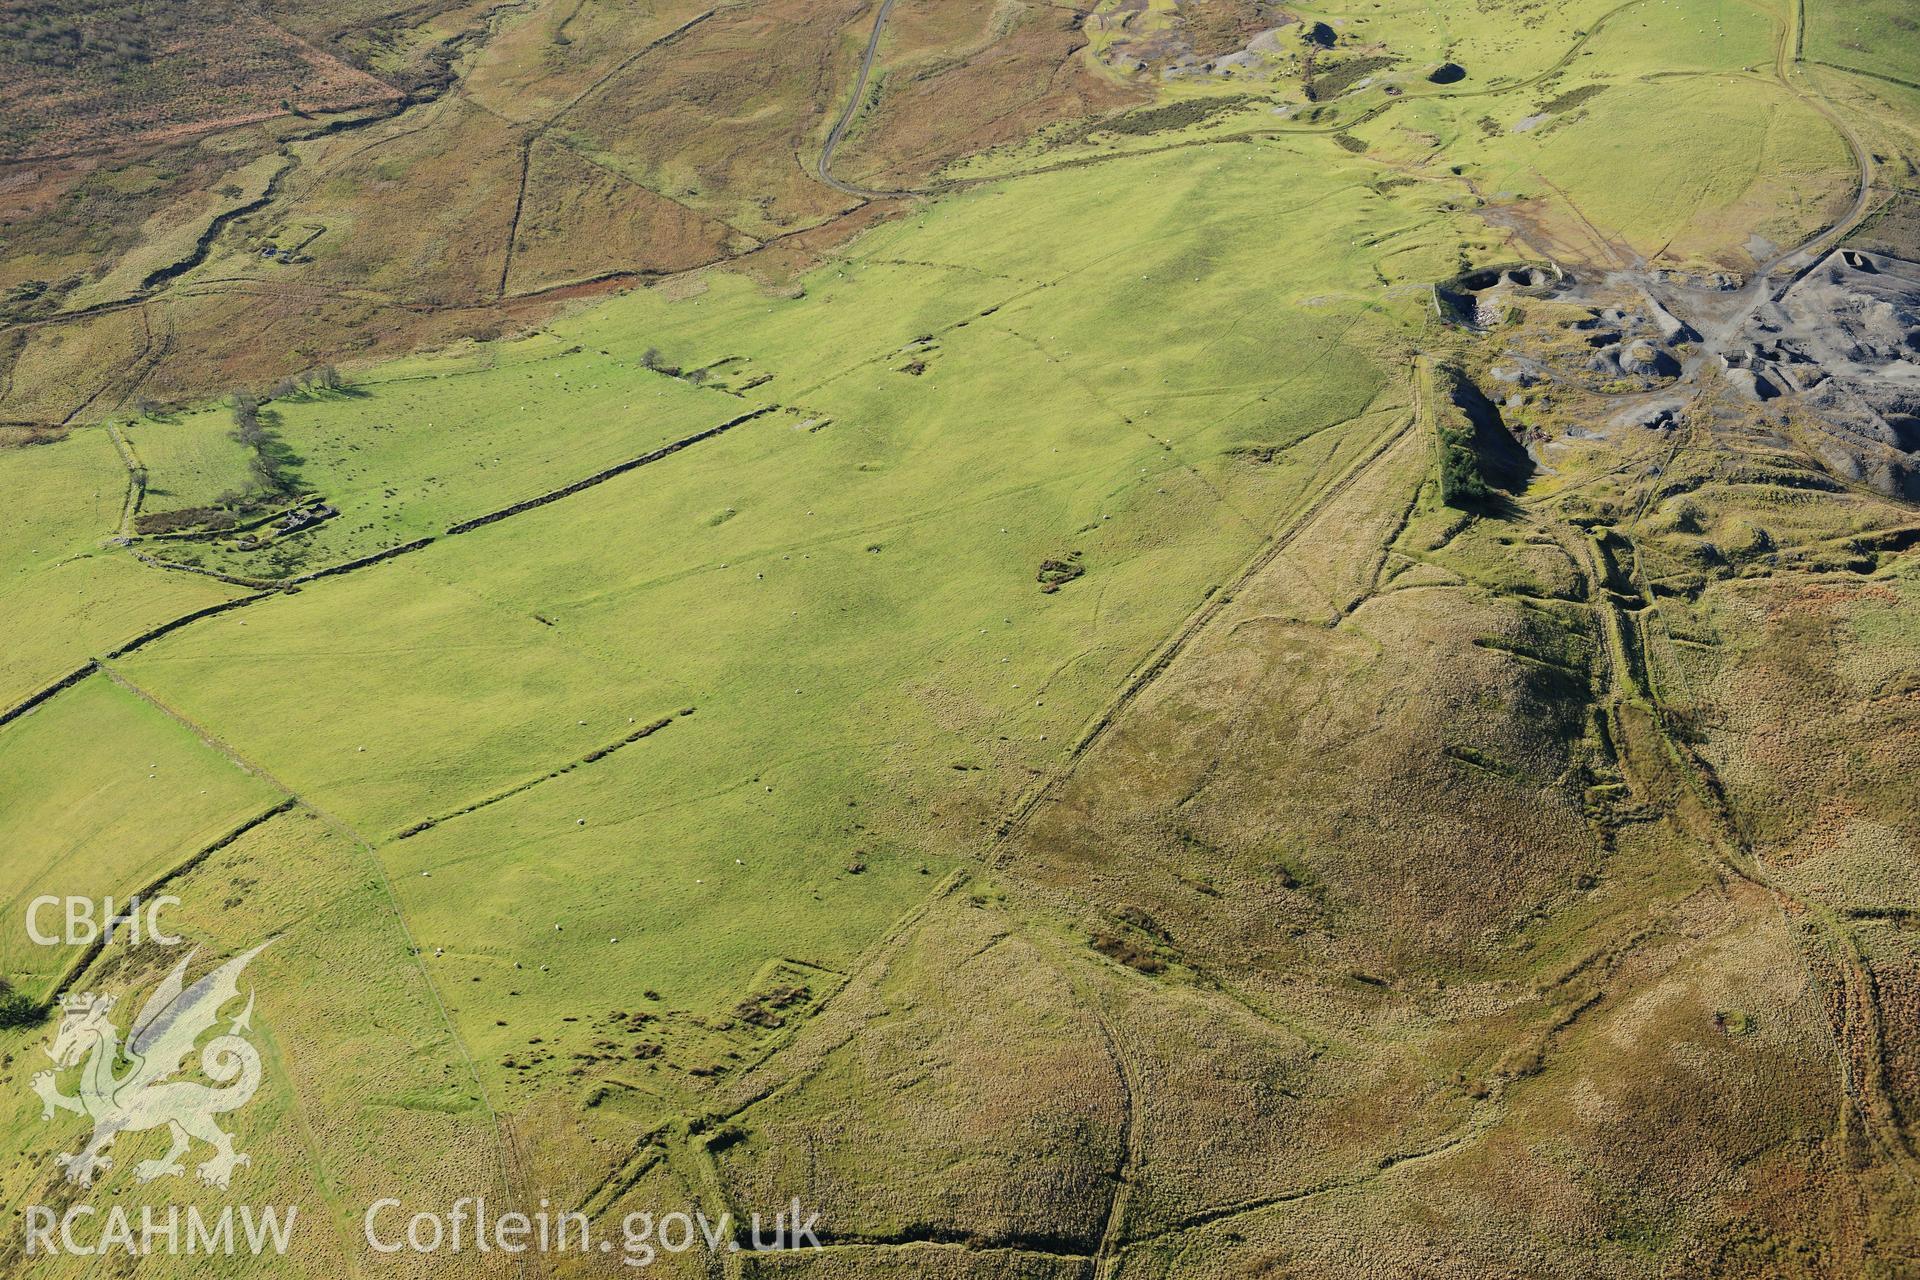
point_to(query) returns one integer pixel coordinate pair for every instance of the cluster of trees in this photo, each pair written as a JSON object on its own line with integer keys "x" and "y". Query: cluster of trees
{"x": 325, "y": 378}
{"x": 16, "y": 1008}
{"x": 272, "y": 461}
{"x": 1462, "y": 483}
{"x": 1465, "y": 422}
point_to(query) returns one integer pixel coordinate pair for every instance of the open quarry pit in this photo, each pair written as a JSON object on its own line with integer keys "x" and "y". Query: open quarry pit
{"x": 1843, "y": 344}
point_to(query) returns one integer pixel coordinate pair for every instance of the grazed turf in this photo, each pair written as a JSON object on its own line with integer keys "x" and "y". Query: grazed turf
{"x": 1051, "y": 782}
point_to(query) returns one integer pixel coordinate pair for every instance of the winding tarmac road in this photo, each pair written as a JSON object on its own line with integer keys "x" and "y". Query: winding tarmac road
{"x": 823, "y": 169}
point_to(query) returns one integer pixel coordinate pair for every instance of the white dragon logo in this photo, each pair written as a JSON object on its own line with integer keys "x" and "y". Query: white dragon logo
{"x": 144, "y": 1097}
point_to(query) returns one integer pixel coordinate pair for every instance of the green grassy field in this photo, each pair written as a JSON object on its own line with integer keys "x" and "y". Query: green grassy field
{"x": 1053, "y": 777}
{"x": 835, "y": 608}
{"x": 113, "y": 794}
{"x": 422, "y": 445}
{"x": 64, "y": 596}
{"x": 844, "y": 594}
{"x": 1875, "y": 36}
{"x": 366, "y": 1087}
